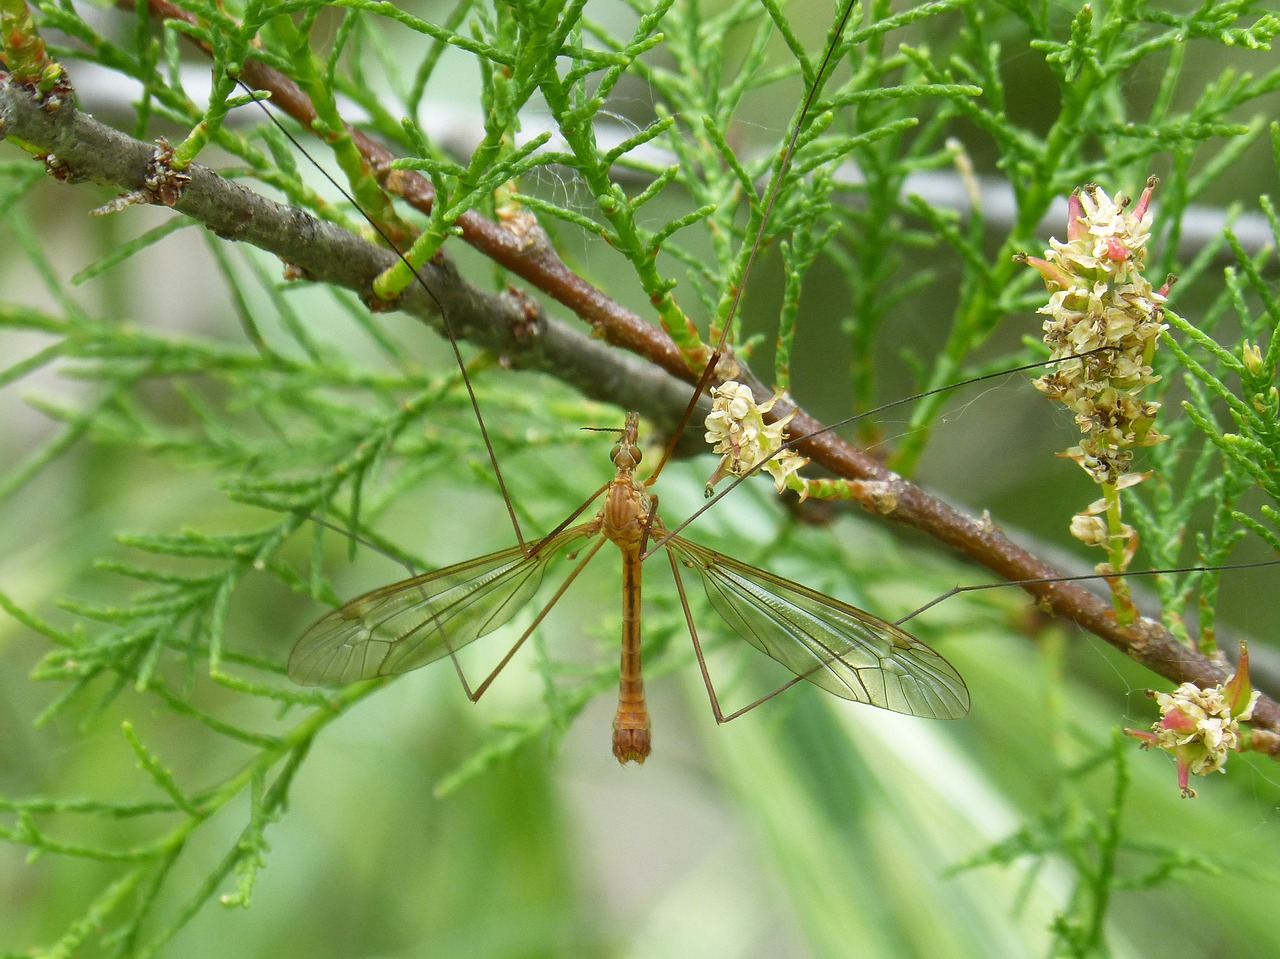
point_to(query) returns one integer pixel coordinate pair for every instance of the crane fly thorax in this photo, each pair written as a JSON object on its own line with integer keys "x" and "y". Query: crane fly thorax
{"x": 624, "y": 517}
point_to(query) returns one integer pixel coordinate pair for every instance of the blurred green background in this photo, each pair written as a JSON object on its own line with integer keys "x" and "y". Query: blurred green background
{"x": 807, "y": 828}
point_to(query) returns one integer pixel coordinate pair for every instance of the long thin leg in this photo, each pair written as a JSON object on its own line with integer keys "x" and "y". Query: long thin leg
{"x": 479, "y": 691}
{"x": 535, "y": 548}
{"x": 445, "y": 318}
{"x": 702, "y": 662}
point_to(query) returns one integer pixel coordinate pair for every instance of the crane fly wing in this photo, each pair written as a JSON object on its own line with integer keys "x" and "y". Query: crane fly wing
{"x": 414, "y": 622}
{"x": 838, "y": 647}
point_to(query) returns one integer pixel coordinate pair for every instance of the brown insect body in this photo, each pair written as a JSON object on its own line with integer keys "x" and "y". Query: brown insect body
{"x": 627, "y": 519}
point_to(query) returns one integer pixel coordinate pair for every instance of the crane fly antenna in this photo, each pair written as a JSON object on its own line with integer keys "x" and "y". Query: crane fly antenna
{"x": 258, "y": 98}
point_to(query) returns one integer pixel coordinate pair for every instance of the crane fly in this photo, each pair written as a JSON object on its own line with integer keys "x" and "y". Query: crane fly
{"x": 838, "y": 647}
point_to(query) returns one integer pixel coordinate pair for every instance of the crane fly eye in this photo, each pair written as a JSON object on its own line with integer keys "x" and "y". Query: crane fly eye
{"x": 625, "y": 456}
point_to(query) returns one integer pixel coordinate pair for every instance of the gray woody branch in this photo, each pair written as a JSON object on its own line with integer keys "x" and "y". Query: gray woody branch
{"x": 79, "y": 148}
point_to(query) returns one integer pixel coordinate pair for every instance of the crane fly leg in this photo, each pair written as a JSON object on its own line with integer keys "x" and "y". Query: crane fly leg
{"x": 537, "y": 621}
{"x": 845, "y": 650}
{"x": 648, "y": 523}
{"x": 720, "y": 716}
{"x": 535, "y": 548}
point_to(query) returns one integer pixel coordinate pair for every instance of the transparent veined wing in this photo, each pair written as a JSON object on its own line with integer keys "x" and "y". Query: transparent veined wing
{"x": 414, "y": 622}
{"x": 831, "y": 644}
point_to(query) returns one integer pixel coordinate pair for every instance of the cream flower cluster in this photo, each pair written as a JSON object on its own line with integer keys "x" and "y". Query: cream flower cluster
{"x": 1203, "y": 731}
{"x": 1103, "y": 306}
{"x": 1202, "y": 726}
{"x": 737, "y": 431}
{"x": 1207, "y": 724}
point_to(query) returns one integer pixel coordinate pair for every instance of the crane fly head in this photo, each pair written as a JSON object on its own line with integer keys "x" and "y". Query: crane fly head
{"x": 626, "y": 454}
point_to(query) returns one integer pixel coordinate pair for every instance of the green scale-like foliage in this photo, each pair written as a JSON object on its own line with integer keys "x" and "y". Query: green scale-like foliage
{"x": 198, "y": 448}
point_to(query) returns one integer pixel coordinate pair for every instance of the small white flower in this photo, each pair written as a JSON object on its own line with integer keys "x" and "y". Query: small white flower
{"x": 1202, "y": 726}
{"x": 737, "y": 431}
{"x": 1252, "y": 356}
{"x": 1205, "y": 721}
{"x": 1090, "y": 530}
